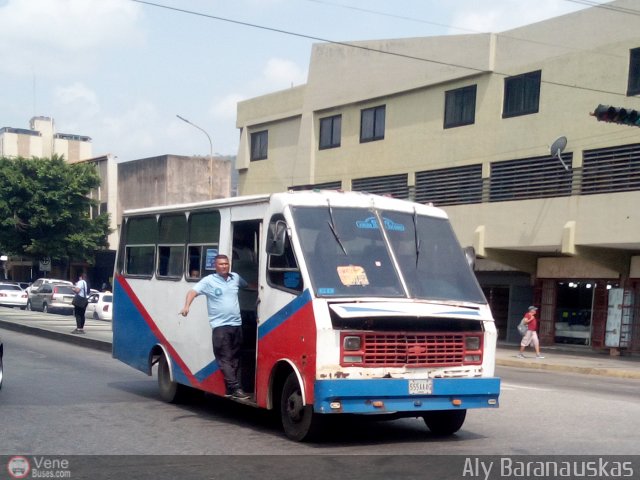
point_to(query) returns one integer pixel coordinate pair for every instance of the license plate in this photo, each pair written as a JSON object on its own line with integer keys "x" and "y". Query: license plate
{"x": 420, "y": 387}
{"x": 67, "y": 300}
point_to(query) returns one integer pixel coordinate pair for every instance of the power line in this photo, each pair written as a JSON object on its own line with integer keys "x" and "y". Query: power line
{"x": 391, "y": 15}
{"x": 362, "y": 47}
{"x": 606, "y": 6}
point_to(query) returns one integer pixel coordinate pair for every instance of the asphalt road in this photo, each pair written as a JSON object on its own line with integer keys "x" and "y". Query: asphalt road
{"x": 68, "y": 402}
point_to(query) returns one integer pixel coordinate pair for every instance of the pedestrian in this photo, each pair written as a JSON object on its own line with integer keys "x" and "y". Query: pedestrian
{"x": 531, "y": 336}
{"x": 80, "y": 302}
{"x": 223, "y": 309}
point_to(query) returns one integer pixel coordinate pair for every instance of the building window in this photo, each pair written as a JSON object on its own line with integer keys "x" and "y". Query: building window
{"x": 634, "y": 72}
{"x": 372, "y": 124}
{"x": 526, "y": 178}
{"x": 395, "y": 185}
{"x": 330, "y": 131}
{"x": 460, "y": 107}
{"x": 450, "y": 186}
{"x": 259, "y": 145}
{"x": 521, "y": 94}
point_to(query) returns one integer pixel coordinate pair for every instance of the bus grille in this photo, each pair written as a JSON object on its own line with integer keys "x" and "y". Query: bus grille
{"x": 430, "y": 349}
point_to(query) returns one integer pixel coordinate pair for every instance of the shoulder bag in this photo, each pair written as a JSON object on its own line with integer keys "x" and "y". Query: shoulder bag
{"x": 522, "y": 327}
{"x": 80, "y": 301}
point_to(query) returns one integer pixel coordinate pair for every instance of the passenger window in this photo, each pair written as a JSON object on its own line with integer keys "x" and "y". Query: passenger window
{"x": 203, "y": 241}
{"x": 171, "y": 245}
{"x": 140, "y": 244}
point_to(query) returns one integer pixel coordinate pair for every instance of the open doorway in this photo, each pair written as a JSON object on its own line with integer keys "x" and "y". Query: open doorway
{"x": 574, "y": 311}
{"x": 244, "y": 262}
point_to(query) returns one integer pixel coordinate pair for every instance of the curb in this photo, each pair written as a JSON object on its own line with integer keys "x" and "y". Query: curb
{"x": 605, "y": 372}
{"x": 82, "y": 341}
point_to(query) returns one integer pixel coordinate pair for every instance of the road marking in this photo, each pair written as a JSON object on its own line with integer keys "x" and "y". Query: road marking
{"x": 512, "y": 386}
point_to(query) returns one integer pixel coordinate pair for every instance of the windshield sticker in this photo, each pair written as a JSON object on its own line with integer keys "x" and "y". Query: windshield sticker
{"x": 372, "y": 224}
{"x": 326, "y": 291}
{"x": 352, "y": 275}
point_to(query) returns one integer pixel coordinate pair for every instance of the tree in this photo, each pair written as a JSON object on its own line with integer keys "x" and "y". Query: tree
{"x": 44, "y": 209}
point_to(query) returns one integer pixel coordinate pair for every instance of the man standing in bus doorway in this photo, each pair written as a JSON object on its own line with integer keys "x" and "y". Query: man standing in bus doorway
{"x": 221, "y": 289}
{"x": 532, "y": 335}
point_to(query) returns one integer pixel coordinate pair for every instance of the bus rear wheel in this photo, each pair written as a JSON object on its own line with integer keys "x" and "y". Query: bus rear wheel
{"x": 170, "y": 391}
{"x": 299, "y": 421}
{"x": 444, "y": 422}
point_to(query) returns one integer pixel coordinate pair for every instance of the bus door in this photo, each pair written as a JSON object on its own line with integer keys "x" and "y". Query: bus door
{"x": 244, "y": 262}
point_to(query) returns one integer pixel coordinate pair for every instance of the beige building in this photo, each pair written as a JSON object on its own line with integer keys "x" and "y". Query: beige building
{"x": 41, "y": 140}
{"x": 467, "y": 122}
{"x": 170, "y": 179}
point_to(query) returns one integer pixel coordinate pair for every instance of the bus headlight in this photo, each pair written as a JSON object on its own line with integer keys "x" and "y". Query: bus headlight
{"x": 472, "y": 343}
{"x": 351, "y": 343}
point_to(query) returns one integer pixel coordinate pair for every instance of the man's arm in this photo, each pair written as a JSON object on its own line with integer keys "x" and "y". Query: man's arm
{"x": 191, "y": 294}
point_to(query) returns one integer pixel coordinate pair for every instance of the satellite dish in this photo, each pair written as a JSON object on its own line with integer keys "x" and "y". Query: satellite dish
{"x": 557, "y": 148}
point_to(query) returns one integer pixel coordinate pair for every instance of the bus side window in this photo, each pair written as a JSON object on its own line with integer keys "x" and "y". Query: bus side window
{"x": 202, "y": 244}
{"x": 283, "y": 270}
{"x": 172, "y": 233}
{"x": 139, "y": 246}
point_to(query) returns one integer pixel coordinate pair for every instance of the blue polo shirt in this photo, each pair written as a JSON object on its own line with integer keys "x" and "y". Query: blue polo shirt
{"x": 222, "y": 298}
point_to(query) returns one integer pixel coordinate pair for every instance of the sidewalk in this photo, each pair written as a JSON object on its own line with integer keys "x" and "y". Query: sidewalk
{"x": 558, "y": 358}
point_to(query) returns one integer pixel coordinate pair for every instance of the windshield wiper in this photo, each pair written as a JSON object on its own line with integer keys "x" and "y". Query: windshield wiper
{"x": 332, "y": 226}
{"x": 416, "y": 238}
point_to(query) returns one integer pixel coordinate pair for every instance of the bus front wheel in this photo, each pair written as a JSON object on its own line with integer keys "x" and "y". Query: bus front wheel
{"x": 299, "y": 421}
{"x": 444, "y": 422}
{"x": 170, "y": 391}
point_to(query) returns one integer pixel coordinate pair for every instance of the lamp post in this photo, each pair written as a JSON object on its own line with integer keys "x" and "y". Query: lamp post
{"x": 210, "y": 152}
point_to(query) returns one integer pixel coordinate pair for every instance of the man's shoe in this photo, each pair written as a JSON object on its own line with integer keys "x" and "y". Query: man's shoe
{"x": 539, "y": 356}
{"x": 239, "y": 394}
{"x": 520, "y": 355}
{"x": 75, "y": 331}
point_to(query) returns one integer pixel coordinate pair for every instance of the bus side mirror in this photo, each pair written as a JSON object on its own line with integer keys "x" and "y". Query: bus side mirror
{"x": 276, "y": 237}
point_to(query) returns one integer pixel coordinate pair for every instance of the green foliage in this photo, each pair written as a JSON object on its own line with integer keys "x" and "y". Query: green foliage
{"x": 44, "y": 209}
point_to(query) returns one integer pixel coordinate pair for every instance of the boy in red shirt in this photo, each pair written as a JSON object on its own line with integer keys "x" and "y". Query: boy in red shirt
{"x": 532, "y": 335}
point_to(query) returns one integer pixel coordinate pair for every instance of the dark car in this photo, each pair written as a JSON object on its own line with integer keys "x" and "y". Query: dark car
{"x": 1, "y": 369}
{"x": 50, "y": 297}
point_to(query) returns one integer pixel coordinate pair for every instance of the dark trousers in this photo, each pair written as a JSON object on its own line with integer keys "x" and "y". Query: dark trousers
{"x": 79, "y": 313}
{"x": 227, "y": 341}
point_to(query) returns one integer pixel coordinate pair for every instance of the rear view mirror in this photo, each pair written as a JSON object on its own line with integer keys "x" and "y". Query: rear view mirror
{"x": 275, "y": 238}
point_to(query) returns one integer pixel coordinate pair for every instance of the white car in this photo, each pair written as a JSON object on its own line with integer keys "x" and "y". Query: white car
{"x": 12, "y": 295}
{"x": 100, "y": 306}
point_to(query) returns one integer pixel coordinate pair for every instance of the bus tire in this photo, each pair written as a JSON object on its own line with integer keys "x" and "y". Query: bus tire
{"x": 299, "y": 421}
{"x": 170, "y": 391}
{"x": 444, "y": 422}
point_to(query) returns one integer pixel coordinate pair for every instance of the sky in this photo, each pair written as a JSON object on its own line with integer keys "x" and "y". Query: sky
{"x": 120, "y": 71}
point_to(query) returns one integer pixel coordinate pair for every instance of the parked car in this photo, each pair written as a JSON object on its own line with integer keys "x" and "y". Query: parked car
{"x": 41, "y": 281}
{"x": 11, "y": 295}
{"x": 100, "y": 306}
{"x": 51, "y": 297}
{"x": 1, "y": 368}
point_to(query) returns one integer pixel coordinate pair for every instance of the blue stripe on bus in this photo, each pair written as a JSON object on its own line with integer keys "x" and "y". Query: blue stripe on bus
{"x": 207, "y": 371}
{"x": 131, "y": 334}
{"x": 283, "y": 314}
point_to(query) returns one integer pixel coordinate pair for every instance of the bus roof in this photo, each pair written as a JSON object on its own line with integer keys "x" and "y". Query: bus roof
{"x": 335, "y": 198}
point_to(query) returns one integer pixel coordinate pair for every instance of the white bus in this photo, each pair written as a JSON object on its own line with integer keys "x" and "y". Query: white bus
{"x": 365, "y": 305}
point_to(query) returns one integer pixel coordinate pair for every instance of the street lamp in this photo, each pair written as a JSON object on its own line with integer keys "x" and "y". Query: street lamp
{"x": 210, "y": 152}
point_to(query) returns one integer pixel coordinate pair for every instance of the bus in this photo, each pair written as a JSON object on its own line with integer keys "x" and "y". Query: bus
{"x": 365, "y": 305}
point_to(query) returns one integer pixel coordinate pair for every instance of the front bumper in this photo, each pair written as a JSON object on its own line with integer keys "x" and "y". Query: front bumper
{"x": 390, "y": 395}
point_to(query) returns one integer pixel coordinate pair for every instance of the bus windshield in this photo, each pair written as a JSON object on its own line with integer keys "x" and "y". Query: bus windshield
{"x": 347, "y": 255}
